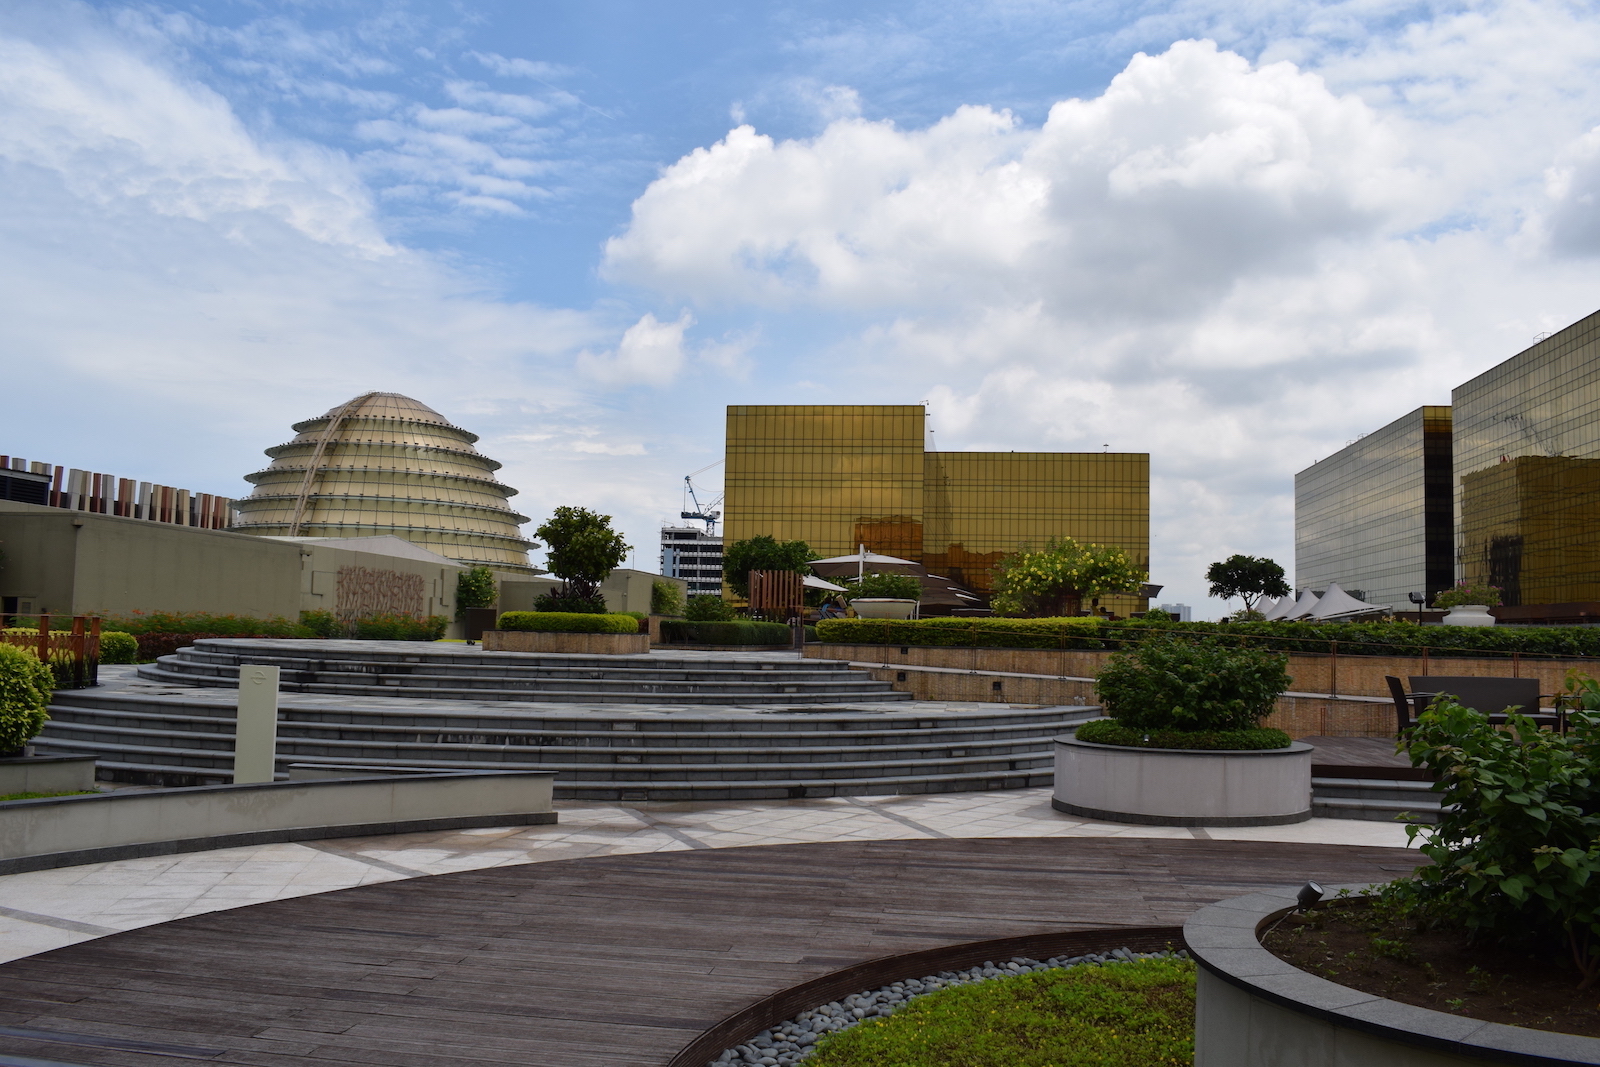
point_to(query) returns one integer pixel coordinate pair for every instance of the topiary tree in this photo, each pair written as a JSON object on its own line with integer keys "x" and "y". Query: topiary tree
{"x": 25, "y": 688}
{"x": 763, "y": 553}
{"x": 583, "y": 550}
{"x": 475, "y": 588}
{"x": 1054, "y": 580}
{"x": 1247, "y": 577}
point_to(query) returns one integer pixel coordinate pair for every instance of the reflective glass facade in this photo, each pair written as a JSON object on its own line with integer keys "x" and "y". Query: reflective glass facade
{"x": 1527, "y": 443}
{"x": 1376, "y": 516}
{"x": 837, "y": 476}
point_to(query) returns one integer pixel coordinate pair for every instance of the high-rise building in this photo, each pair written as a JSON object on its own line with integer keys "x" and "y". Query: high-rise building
{"x": 839, "y": 476}
{"x": 1527, "y": 464}
{"x": 1376, "y": 515}
{"x": 383, "y": 463}
{"x": 694, "y": 555}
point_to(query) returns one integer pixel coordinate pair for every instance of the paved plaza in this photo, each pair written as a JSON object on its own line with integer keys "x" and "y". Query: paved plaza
{"x": 42, "y": 910}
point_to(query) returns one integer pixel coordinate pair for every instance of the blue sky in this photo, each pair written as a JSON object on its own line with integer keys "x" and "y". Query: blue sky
{"x": 1234, "y": 235}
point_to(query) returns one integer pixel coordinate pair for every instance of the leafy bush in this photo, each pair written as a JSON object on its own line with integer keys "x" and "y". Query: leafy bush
{"x": 118, "y": 647}
{"x": 475, "y": 588}
{"x": 763, "y": 553}
{"x": 1111, "y": 732}
{"x": 899, "y": 586}
{"x": 322, "y": 624}
{"x": 25, "y": 689}
{"x": 708, "y": 608}
{"x": 1192, "y": 686}
{"x": 569, "y": 622}
{"x": 1468, "y": 593}
{"x": 199, "y": 622}
{"x": 554, "y": 601}
{"x": 1053, "y": 581}
{"x": 984, "y": 633}
{"x": 724, "y": 633}
{"x": 1516, "y": 852}
{"x": 397, "y": 627}
{"x": 1135, "y": 1014}
{"x": 665, "y": 598}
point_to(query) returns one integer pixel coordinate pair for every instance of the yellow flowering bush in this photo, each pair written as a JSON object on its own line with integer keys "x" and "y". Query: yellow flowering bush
{"x": 1054, "y": 580}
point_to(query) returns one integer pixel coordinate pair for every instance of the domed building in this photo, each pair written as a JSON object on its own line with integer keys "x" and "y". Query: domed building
{"x": 380, "y": 464}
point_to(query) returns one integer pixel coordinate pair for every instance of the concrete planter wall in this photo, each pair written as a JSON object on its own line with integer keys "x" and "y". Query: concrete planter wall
{"x": 46, "y": 774}
{"x": 582, "y": 644}
{"x": 1176, "y": 787}
{"x": 1253, "y": 1009}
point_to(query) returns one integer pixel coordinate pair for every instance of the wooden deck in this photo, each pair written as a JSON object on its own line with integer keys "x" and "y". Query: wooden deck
{"x": 617, "y": 961}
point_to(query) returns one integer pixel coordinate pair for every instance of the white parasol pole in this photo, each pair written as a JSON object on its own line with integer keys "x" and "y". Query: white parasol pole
{"x": 861, "y": 562}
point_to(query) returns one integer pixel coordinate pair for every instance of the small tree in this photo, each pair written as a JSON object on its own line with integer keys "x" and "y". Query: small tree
{"x": 583, "y": 550}
{"x": 665, "y": 598}
{"x": 763, "y": 553}
{"x": 475, "y": 588}
{"x": 1247, "y": 577}
{"x": 1054, "y": 580}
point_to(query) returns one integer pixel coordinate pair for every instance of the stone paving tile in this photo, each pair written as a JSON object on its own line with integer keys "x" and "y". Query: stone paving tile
{"x": 130, "y": 893}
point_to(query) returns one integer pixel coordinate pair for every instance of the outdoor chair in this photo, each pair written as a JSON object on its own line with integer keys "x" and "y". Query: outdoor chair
{"x": 1491, "y": 696}
{"x": 1407, "y": 706}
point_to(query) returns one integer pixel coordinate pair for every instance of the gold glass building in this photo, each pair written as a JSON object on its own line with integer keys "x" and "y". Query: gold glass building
{"x": 1527, "y": 442}
{"x": 837, "y": 476}
{"x": 383, "y": 463}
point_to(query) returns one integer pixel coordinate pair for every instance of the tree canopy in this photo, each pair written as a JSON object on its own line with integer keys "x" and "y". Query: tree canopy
{"x": 1247, "y": 577}
{"x": 763, "y": 553}
{"x": 583, "y": 549}
{"x": 1054, "y": 580}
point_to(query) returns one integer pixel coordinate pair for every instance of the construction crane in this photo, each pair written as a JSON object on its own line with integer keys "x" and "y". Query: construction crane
{"x": 705, "y": 513}
{"x": 1522, "y": 423}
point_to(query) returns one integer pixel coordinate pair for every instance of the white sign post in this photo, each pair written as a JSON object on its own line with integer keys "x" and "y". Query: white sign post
{"x": 255, "y": 740}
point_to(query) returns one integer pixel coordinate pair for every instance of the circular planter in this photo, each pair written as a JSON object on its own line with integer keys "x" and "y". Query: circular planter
{"x": 1253, "y": 1009}
{"x": 883, "y": 607}
{"x": 1181, "y": 787}
{"x": 571, "y": 643}
{"x": 1469, "y": 615}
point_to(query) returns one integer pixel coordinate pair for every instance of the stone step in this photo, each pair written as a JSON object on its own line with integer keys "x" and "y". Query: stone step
{"x": 199, "y": 662}
{"x": 1373, "y": 799}
{"x": 293, "y": 650}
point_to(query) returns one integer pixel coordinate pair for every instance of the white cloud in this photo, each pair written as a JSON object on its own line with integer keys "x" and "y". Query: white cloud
{"x": 520, "y": 68}
{"x": 650, "y": 353}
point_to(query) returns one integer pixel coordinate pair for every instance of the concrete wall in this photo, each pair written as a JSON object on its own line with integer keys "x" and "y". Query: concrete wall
{"x": 75, "y": 562}
{"x": 319, "y": 578}
{"x": 626, "y": 590}
{"x": 35, "y": 834}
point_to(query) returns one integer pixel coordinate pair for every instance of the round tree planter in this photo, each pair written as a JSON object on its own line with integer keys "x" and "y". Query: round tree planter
{"x": 582, "y": 644}
{"x": 1254, "y": 1010}
{"x": 1180, "y": 787}
{"x": 1469, "y": 615}
{"x": 883, "y": 607}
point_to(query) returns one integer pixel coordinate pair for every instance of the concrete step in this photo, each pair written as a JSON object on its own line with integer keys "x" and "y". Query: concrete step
{"x": 1374, "y": 799}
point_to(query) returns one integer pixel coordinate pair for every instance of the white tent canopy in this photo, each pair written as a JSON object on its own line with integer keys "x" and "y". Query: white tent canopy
{"x": 1274, "y": 609}
{"x": 1302, "y": 607}
{"x": 811, "y": 581}
{"x": 1336, "y": 604}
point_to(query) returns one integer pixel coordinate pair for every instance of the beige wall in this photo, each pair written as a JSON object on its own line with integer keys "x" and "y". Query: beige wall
{"x": 319, "y": 578}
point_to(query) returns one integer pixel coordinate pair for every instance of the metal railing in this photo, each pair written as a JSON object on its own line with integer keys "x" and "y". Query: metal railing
{"x": 73, "y": 655}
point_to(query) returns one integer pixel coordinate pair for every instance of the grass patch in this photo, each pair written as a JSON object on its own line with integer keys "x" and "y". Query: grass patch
{"x": 1116, "y": 1015}
{"x": 41, "y": 796}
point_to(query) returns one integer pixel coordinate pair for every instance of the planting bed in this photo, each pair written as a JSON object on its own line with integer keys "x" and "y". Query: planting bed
{"x": 1355, "y": 947}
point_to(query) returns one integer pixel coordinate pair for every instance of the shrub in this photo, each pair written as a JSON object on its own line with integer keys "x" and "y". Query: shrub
{"x": 397, "y": 627}
{"x": 1468, "y": 593}
{"x": 708, "y": 608}
{"x": 475, "y": 588}
{"x": 1194, "y": 686}
{"x": 1111, "y": 732}
{"x": 898, "y": 586}
{"x": 199, "y": 622}
{"x": 569, "y": 622}
{"x": 763, "y": 553}
{"x": 118, "y": 647}
{"x": 1054, "y": 580}
{"x": 1516, "y": 852}
{"x": 322, "y": 624}
{"x": 1077, "y": 632}
{"x": 665, "y": 598}
{"x": 554, "y": 601}
{"x": 25, "y": 689}
{"x": 724, "y": 633}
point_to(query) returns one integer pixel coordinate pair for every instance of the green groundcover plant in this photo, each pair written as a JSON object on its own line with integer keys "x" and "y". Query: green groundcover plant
{"x": 742, "y": 632}
{"x": 1516, "y": 851}
{"x": 1173, "y": 687}
{"x": 1111, "y": 732}
{"x": 1138, "y": 1014}
{"x": 25, "y": 689}
{"x": 569, "y": 622}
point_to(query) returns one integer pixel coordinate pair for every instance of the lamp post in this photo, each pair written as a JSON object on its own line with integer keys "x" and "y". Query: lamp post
{"x": 1418, "y": 599}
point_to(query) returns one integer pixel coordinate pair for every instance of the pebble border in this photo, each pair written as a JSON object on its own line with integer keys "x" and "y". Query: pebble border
{"x": 794, "y": 1040}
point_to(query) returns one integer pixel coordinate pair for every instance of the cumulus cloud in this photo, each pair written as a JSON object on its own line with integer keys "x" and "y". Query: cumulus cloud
{"x": 650, "y": 353}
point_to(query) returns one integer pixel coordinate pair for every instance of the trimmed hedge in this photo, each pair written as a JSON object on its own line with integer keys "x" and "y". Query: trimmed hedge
{"x": 1111, "y": 732}
{"x": 724, "y": 633}
{"x": 966, "y": 633}
{"x": 199, "y": 622}
{"x": 118, "y": 647}
{"x": 568, "y": 622}
{"x": 25, "y": 689}
{"x": 1353, "y": 639}
{"x": 396, "y": 627}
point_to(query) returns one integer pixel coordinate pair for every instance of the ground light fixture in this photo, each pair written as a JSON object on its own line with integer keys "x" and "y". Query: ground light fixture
{"x": 1309, "y": 894}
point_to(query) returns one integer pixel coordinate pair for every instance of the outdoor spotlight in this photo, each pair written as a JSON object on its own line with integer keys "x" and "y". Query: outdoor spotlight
{"x": 1309, "y": 894}
{"x": 1417, "y": 598}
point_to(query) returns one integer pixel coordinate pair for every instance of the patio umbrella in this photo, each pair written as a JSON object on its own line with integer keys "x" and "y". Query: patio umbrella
{"x": 863, "y": 557}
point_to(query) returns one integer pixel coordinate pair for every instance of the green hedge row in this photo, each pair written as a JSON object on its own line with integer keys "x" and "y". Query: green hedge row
{"x": 568, "y": 622}
{"x": 724, "y": 633}
{"x": 1354, "y": 639}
